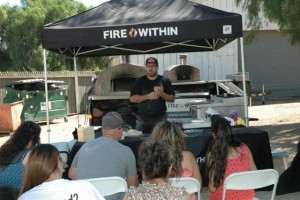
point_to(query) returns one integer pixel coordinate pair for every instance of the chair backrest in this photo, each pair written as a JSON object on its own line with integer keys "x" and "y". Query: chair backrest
{"x": 191, "y": 185}
{"x": 109, "y": 185}
{"x": 251, "y": 180}
{"x": 64, "y": 155}
{"x": 64, "y": 150}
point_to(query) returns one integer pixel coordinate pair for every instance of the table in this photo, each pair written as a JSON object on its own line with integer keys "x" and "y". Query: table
{"x": 198, "y": 140}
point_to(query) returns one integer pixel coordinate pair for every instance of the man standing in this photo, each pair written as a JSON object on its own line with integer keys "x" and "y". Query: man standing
{"x": 105, "y": 156}
{"x": 151, "y": 92}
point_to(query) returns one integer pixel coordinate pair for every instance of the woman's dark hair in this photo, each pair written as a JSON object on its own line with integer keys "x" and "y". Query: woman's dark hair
{"x": 218, "y": 150}
{"x": 26, "y": 132}
{"x": 42, "y": 162}
{"x": 155, "y": 158}
{"x": 172, "y": 134}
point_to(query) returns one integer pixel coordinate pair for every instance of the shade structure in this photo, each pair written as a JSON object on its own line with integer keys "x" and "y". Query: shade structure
{"x": 123, "y": 27}
{"x": 129, "y": 27}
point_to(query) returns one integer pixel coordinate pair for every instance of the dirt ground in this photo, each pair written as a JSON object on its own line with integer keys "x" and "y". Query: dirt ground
{"x": 281, "y": 119}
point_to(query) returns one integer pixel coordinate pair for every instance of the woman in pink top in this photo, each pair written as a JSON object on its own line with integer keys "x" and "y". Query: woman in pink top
{"x": 225, "y": 156}
{"x": 173, "y": 135}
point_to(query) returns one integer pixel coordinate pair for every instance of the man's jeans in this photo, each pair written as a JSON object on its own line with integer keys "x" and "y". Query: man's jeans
{"x": 147, "y": 125}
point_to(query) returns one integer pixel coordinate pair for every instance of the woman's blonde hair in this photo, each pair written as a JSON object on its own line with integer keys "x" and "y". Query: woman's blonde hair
{"x": 173, "y": 135}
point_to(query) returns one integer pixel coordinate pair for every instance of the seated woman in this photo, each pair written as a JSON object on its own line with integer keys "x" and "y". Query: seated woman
{"x": 14, "y": 153}
{"x": 226, "y": 155}
{"x": 173, "y": 135}
{"x": 42, "y": 178}
{"x": 156, "y": 160}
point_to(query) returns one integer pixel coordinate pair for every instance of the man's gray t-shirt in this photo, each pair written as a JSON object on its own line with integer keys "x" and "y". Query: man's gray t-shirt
{"x": 104, "y": 157}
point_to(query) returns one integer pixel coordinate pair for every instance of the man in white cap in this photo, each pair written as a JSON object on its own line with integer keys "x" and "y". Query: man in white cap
{"x": 105, "y": 156}
{"x": 151, "y": 92}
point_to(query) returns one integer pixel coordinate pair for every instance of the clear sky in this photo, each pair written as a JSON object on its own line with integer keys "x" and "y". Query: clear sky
{"x": 86, "y": 2}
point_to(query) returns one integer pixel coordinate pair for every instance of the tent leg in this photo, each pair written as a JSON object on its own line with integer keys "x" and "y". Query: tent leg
{"x": 46, "y": 96}
{"x": 244, "y": 83}
{"x": 76, "y": 90}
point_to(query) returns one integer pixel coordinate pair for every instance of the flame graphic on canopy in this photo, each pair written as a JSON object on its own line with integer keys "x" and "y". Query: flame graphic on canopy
{"x": 133, "y": 33}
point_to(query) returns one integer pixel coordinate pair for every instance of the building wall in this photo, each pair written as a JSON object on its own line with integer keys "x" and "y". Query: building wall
{"x": 230, "y": 6}
{"x": 213, "y": 65}
{"x": 271, "y": 61}
{"x": 269, "y": 51}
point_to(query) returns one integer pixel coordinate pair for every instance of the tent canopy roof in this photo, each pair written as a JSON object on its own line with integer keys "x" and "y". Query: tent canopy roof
{"x": 121, "y": 27}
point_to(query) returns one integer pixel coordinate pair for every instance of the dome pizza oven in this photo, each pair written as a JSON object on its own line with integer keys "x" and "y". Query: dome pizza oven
{"x": 117, "y": 80}
{"x": 110, "y": 92}
{"x": 187, "y": 86}
{"x": 186, "y": 79}
{"x": 182, "y": 72}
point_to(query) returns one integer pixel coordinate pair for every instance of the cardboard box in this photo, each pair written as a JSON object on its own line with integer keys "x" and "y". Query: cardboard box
{"x": 85, "y": 134}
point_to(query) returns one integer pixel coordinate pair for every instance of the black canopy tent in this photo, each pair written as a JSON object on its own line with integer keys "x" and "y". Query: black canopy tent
{"x": 123, "y": 27}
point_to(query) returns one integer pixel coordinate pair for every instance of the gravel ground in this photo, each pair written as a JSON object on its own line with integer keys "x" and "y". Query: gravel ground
{"x": 281, "y": 119}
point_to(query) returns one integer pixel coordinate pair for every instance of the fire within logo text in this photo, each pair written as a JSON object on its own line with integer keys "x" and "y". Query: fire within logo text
{"x": 141, "y": 32}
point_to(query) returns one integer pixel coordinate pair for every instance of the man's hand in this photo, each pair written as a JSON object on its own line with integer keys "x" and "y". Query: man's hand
{"x": 153, "y": 95}
{"x": 159, "y": 90}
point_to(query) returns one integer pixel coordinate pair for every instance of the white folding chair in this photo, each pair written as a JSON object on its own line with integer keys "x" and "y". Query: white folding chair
{"x": 251, "y": 180}
{"x": 191, "y": 185}
{"x": 64, "y": 150}
{"x": 109, "y": 185}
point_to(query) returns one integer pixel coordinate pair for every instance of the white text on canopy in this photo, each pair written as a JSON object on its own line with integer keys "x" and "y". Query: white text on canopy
{"x": 141, "y": 32}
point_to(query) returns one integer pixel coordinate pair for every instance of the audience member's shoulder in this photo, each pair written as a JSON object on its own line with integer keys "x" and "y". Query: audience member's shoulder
{"x": 245, "y": 149}
{"x": 133, "y": 190}
{"x": 180, "y": 192}
{"x": 188, "y": 154}
{"x": 243, "y": 146}
{"x": 76, "y": 183}
{"x": 81, "y": 182}
{"x": 93, "y": 141}
{"x": 124, "y": 147}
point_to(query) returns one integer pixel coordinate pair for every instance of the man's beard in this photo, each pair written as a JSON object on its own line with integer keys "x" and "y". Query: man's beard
{"x": 152, "y": 74}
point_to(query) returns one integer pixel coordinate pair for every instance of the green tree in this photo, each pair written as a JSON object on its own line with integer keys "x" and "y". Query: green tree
{"x": 285, "y": 13}
{"x": 21, "y": 35}
{"x": 5, "y": 60}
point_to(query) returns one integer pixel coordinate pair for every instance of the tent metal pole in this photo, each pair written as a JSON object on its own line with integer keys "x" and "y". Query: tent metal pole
{"x": 244, "y": 82}
{"x": 46, "y": 96}
{"x": 76, "y": 90}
